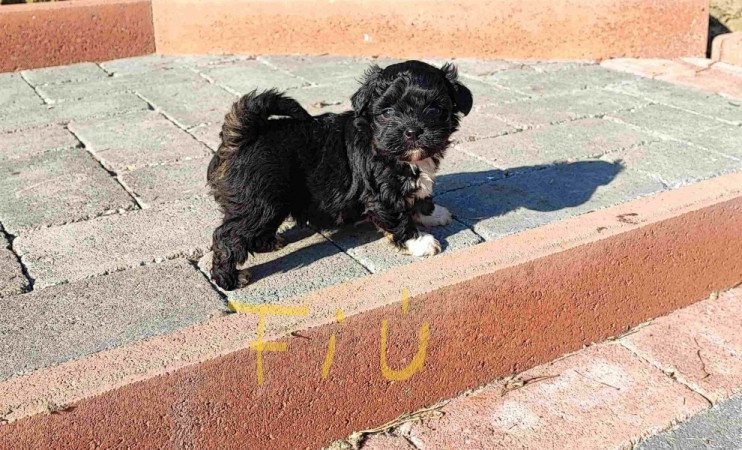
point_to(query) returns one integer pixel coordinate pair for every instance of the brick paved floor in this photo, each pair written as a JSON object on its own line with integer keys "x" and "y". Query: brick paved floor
{"x": 103, "y": 205}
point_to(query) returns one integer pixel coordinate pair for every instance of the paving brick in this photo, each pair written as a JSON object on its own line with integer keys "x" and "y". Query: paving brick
{"x": 480, "y": 124}
{"x": 322, "y": 69}
{"x": 725, "y": 140}
{"x": 168, "y": 182}
{"x": 112, "y": 85}
{"x": 564, "y": 142}
{"x": 61, "y": 323}
{"x": 15, "y": 92}
{"x": 384, "y": 442}
{"x": 700, "y": 344}
{"x": 671, "y": 122}
{"x": 459, "y": 169}
{"x": 675, "y": 163}
{"x": 718, "y": 428}
{"x": 12, "y": 119}
{"x": 65, "y": 74}
{"x": 12, "y": 280}
{"x": 153, "y": 63}
{"x": 601, "y": 397}
{"x": 56, "y": 187}
{"x": 308, "y": 262}
{"x": 326, "y": 98}
{"x": 562, "y": 108}
{"x": 208, "y": 133}
{"x": 545, "y": 194}
{"x": 83, "y": 249}
{"x": 246, "y": 76}
{"x": 150, "y": 139}
{"x": 190, "y": 104}
{"x": 701, "y": 102}
{"x": 31, "y": 143}
{"x": 366, "y": 244}
{"x": 489, "y": 94}
{"x": 540, "y": 83}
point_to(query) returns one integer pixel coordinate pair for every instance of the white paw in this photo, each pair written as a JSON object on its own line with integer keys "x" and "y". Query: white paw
{"x": 423, "y": 245}
{"x": 439, "y": 217}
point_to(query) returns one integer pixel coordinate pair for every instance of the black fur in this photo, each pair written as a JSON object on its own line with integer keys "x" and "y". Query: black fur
{"x": 334, "y": 168}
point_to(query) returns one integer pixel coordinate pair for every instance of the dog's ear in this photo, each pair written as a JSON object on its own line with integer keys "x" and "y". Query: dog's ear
{"x": 370, "y": 84}
{"x": 460, "y": 94}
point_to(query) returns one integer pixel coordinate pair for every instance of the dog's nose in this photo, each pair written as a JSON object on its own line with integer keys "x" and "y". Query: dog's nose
{"x": 412, "y": 132}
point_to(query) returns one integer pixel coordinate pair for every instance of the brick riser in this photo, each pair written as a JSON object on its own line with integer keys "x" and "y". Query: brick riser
{"x": 505, "y": 319}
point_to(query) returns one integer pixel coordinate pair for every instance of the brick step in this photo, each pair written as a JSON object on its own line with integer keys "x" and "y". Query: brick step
{"x": 610, "y": 395}
{"x": 483, "y": 312}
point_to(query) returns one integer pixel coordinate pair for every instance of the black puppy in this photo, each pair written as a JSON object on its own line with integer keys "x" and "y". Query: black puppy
{"x": 376, "y": 162}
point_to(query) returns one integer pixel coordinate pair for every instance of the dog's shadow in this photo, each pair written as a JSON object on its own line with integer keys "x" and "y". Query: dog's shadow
{"x": 472, "y": 197}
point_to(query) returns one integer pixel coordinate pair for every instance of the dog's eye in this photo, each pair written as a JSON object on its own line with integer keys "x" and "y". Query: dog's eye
{"x": 388, "y": 113}
{"x": 433, "y": 111}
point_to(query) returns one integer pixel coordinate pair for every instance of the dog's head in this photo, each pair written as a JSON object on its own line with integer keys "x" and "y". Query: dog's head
{"x": 412, "y": 108}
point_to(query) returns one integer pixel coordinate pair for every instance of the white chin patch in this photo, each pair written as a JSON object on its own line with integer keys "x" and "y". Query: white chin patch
{"x": 423, "y": 245}
{"x": 438, "y": 218}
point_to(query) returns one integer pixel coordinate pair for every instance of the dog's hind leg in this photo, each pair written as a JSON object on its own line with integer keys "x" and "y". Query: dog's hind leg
{"x": 237, "y": 237}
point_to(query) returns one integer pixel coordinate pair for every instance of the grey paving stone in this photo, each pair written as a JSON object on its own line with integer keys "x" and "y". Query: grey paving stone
{"x": 208, "y": 133}
{"x": 56, "y": 187}
{"x": 323, "y": 69}
{"x": 152, "y": 63}
{"x": 701, "y": 102}
{"x": 136, "y": 140}
{"x": 106, "y": 244}
{"x": 326, "y": 98}
{"x": 544, "y": 195}
{"x": 459, "y": 169}
{"x": 15, "y": 92}
{"x": 112, "y": 85}
{"x": 308, "y": 262}
{"x": 675, "y": 163}
{"x": 561, "y": 108}
{"x": 168, "y": 182}
{"x": 245, "y": 76}
{"x": 367, "y": 245}
{"x": 540, "y": 83}
{"x": 718, "y": 428}
{"x": 62, "y": 323}
{"x": 726, "y": 140}
{"x": 670, "y": 122}
{"x": 190, "y": 104}
{"x": 64, "y": 74}
{"x": 480, "y": 124}
{"x": 489, "y": 94}
{"x": 12, "y": 280}
{"x": 12, "y": 119}
{"x": 564, "y": 142}
{"x": 30, "y": 143}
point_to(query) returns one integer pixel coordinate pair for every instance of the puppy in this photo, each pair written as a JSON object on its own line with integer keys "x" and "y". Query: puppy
{"x": 376, "y": 162}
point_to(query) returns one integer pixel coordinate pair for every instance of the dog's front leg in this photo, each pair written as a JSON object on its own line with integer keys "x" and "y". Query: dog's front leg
{"x": 397, "y": 221}
{"x": 428, "y": 214}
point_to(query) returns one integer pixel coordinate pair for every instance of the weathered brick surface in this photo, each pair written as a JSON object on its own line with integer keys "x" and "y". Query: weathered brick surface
{"x": 150, "y": 139}
{"x": 65, "y": 74}
{"x": 564, "y": 142}
{"x": 190, "y": 104}
{"x": 548, "y": 82}
{"x": 318, "y": 69}
{"x": 12, "y": 280}
{"x": 31, "y": 143}
{"x": 15, "y": 92}
{"x": 164, "y": 183}
{"x": 326, "y": 98}
{"x": 83, "y": 249}
{"x": 700, "y": 344}
{"x": 460, "y": 169}
{"x": 601, "y": 397}
{"x": 245, "y": 76}
{"x": 375, "y": 252}
{"x": 56, "y": 187}
{"x": 154, "y": 63}
{"x": 53, "y": 325}
{"x": 307, "y": 262}
{"x": 19, "y": 118}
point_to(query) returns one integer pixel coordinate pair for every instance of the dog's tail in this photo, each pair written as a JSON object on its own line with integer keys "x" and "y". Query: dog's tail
{"x": 247, "y": 119}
